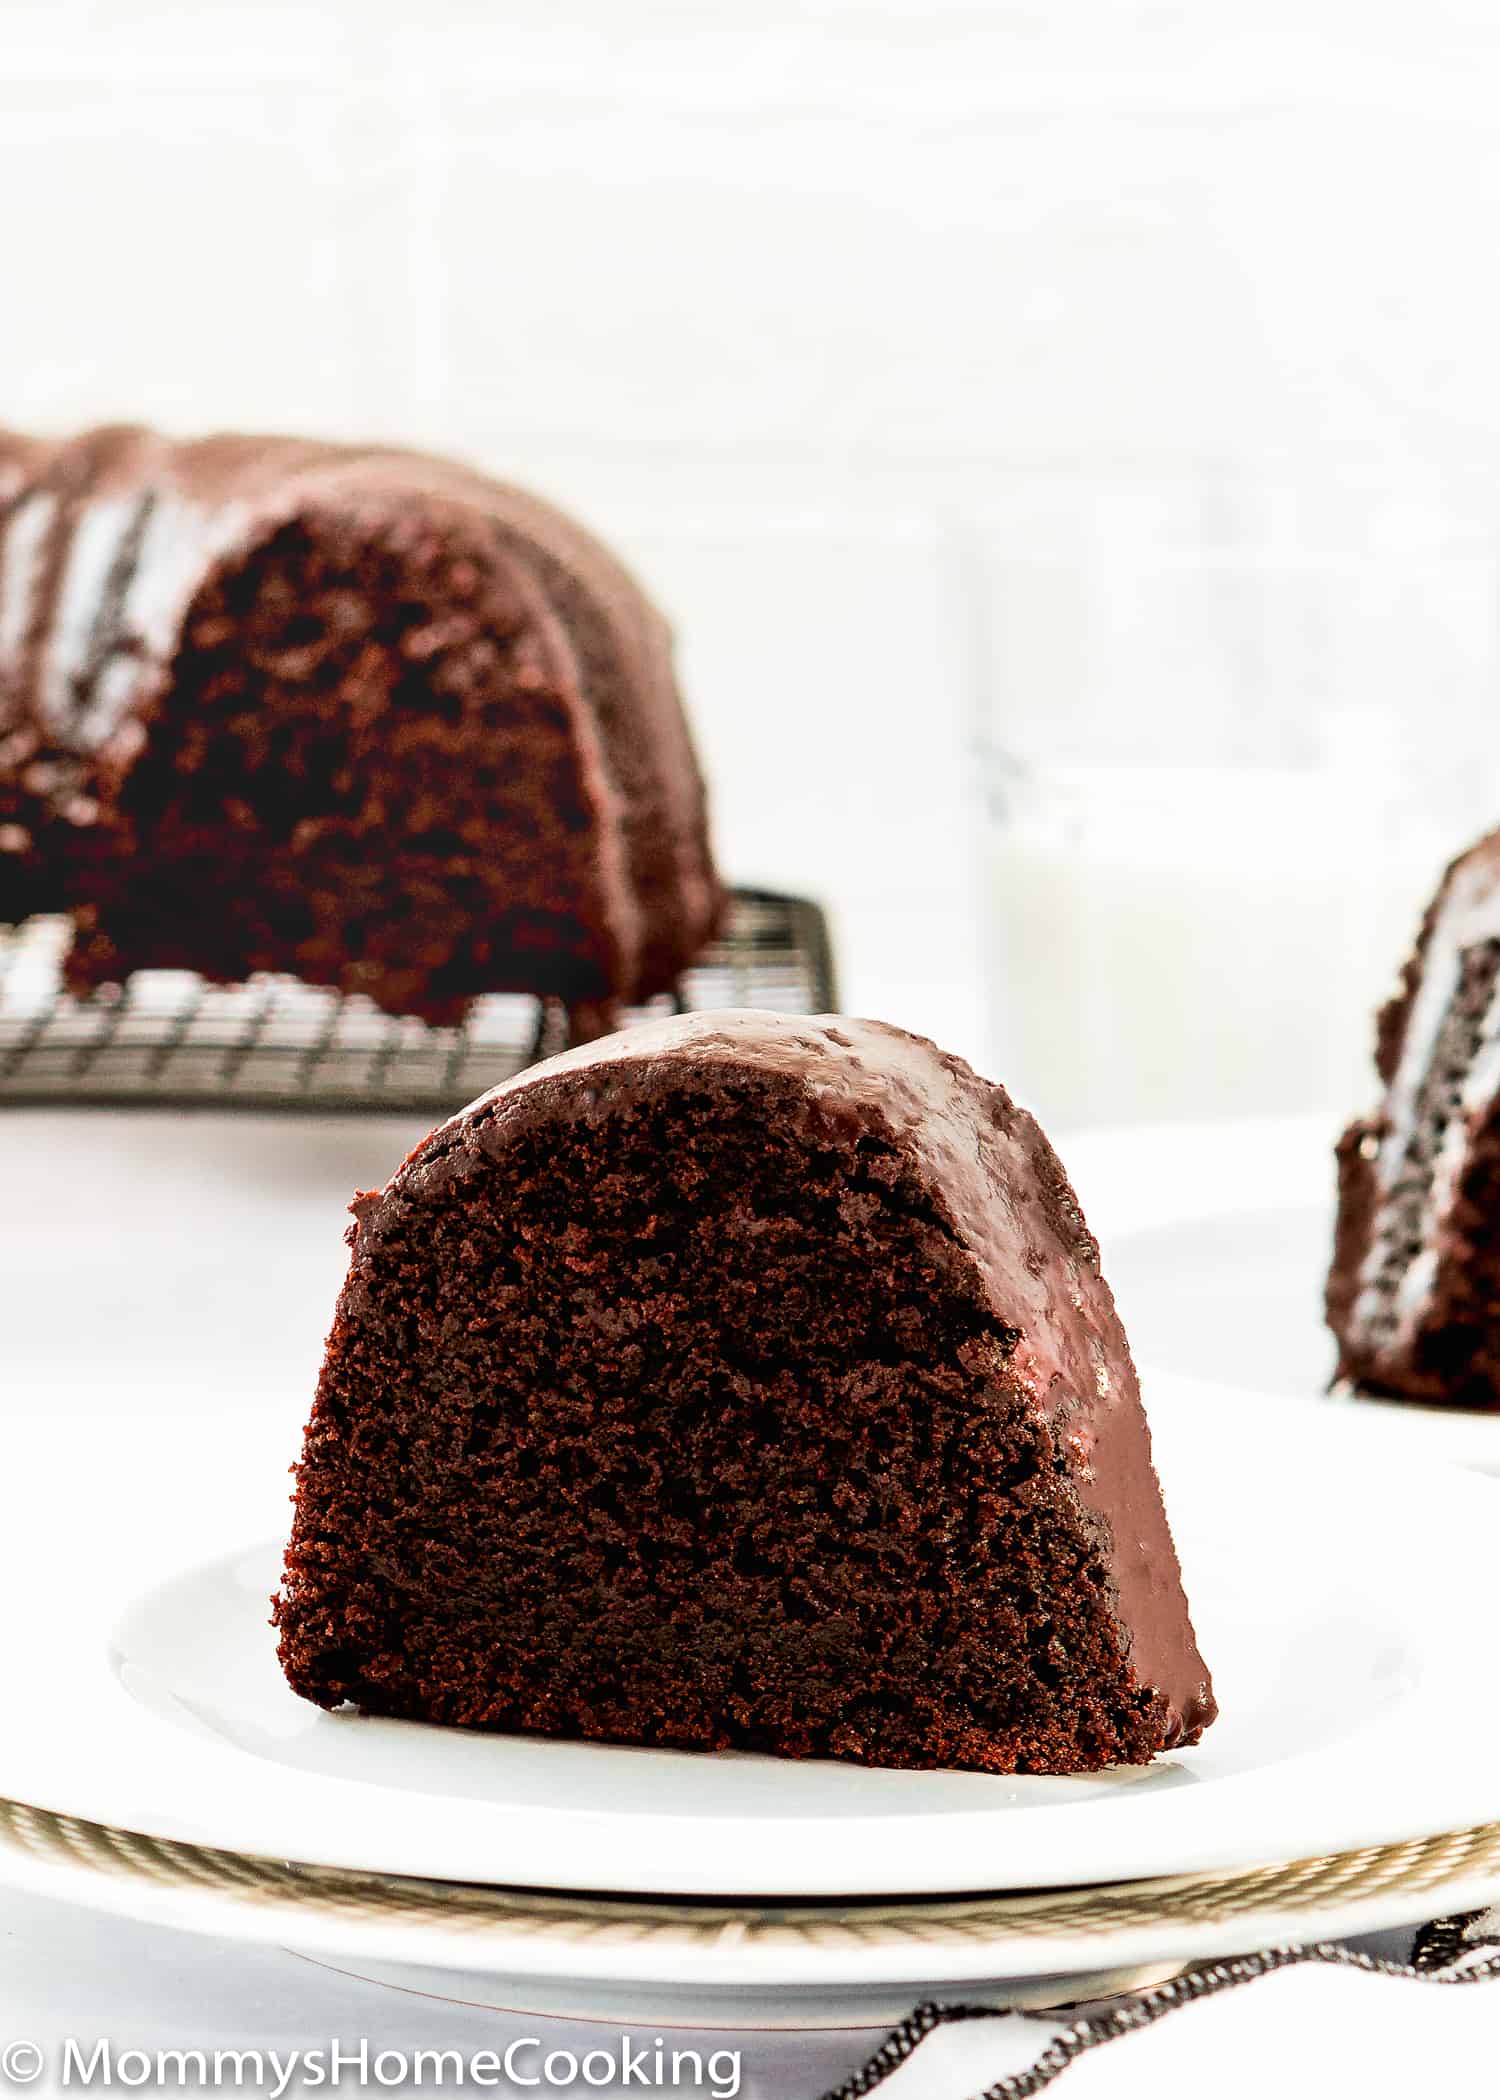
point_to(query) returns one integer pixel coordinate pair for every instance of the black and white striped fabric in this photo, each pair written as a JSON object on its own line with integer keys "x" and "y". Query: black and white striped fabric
{"x": 1452, "y": 1951}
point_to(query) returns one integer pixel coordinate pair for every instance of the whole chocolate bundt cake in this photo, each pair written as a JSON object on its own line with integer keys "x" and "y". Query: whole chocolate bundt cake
{"x": 1414, "y": 1290}
{"x": 741, "y": 1381}
{"x": 354, "y": 714}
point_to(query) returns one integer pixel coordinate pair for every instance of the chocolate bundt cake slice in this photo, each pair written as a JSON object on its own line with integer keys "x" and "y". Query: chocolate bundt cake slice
{"x": 353, "y": 714}
{"x": 1414, "y": 1291}
{"x": 741, "y": 1381}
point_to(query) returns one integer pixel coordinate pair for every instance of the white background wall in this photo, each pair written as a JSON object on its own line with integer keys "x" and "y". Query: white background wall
{"x": 1100, "y": 379}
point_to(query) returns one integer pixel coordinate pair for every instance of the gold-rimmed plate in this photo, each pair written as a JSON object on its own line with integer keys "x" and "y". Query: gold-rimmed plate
{"x": 834, "y": 1964}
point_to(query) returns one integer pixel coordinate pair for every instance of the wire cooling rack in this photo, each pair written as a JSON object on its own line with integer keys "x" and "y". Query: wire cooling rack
{"x": 171, "y": 1040}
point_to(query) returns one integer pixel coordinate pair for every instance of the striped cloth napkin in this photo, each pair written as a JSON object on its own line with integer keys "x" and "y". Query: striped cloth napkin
{"x": 1016, "y": 2055}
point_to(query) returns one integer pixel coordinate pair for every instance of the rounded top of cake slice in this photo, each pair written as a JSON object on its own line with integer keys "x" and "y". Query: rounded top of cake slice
{"x": 991, "y": 1169}
{"x": 991, "y": 1184}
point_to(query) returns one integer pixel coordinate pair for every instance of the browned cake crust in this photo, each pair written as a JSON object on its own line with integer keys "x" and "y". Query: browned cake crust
{"x": 741, "y": 1381}
{"x": 1413, "y": 1294}
{"x": 354, "y": 714}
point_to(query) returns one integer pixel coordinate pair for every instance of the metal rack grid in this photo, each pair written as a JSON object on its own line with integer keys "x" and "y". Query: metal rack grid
{"x": 170, "y": 1040}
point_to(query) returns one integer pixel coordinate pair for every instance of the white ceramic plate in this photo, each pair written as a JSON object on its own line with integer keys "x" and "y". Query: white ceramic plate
{"x": 152, "y": 1699}
{"x": 1216, "y": 1240}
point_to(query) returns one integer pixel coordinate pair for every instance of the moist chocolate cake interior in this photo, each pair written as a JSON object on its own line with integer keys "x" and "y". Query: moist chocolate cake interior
{"x": 351, "y": 725}
{"x": 683, "y": 1429}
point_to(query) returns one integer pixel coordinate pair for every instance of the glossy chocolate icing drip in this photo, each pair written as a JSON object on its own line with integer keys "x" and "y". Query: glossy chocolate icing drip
{"x": 26, "y": 532}
{"x": 612, "y": 623}
{"x": 109, "y": 634}
{"x": 1000, "y": 1192}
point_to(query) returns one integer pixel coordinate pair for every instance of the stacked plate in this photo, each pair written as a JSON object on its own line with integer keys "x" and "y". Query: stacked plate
{"x": 161, "y": 1343}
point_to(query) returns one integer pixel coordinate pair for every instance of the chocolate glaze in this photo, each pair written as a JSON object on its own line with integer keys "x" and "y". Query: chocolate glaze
{"x": 1001, "y": 1191}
